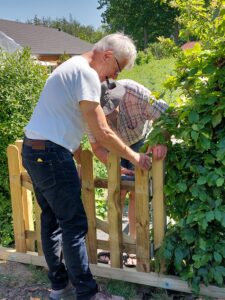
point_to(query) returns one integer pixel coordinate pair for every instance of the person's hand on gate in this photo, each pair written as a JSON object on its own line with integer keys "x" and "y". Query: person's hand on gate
{"x": 126, "y": 171}
{"x": 142, "y": 161}
{"x": 158, "y": 152}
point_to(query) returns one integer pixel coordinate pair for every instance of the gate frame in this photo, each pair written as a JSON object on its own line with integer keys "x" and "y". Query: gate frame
{"x": 26, "y": 233}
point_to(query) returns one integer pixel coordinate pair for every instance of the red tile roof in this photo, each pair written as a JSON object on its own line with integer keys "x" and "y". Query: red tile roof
{"x": 188, "y": 45}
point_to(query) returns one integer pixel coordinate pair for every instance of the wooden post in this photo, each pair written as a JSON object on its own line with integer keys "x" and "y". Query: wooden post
{"x": 88, "y": 196}
{"x": 16, "y": 198}
{"x": 37, "y": 210}
{"x": 27, "y": 203}
{"x": 142, "y": 220}
{"x": 114, "y": 212}
{"x": 159, "y": 212}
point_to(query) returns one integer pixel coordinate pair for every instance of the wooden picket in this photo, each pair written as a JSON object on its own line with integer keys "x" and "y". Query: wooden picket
{"x": 88, "y": 196}
{"x": 16, "y": 196}
{"x": 142, "y": 220}
{"x": 26, "y": 221}
{"x": 27, "y": 203}
{"x": 114, "y": 212}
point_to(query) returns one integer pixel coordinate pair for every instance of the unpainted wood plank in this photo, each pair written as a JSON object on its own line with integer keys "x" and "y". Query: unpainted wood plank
{"x": 142, "y": 220}
{"x": 128, "y": 275}
{"x": 27, "y": 202}
{"x": 16, "y": 198}
{"x": 88, "y": 197}
{"x": 37, "y": 211}
{"x": 158, "y": 206}
{"x": 114, "y": 211}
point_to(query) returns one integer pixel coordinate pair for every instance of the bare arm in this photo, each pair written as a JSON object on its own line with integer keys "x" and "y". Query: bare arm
{"x": 95, "y": 118}
{"x": 102, "y": 154}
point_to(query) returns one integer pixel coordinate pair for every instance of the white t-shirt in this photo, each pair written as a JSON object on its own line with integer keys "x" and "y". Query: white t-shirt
{"x": 57, "y": 116}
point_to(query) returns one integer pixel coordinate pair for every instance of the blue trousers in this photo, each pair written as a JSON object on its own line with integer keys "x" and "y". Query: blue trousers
{"x": 63, "y": 219}
{"x": 127, "y": 164}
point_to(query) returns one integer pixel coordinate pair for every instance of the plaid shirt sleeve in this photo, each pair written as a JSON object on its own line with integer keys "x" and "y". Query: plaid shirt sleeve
{"x": 155, "y": 108}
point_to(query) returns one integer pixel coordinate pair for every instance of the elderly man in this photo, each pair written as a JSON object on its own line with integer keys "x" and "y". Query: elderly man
{"x": 130, "y": 109}
{"x": 69, "y": 101}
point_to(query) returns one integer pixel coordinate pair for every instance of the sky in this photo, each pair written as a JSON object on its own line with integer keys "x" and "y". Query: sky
{"x": 83, "y": 11}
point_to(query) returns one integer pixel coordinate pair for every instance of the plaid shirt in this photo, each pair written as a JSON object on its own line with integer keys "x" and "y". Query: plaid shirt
{"x": 137, "y": 110}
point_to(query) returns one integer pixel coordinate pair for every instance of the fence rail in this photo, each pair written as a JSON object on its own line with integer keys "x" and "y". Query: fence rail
{"x": 26, "y": 212}
{"x": 26, "y": 220}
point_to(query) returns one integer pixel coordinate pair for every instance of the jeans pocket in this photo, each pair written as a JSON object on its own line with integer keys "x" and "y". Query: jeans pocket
{"x": 40, "y": 169}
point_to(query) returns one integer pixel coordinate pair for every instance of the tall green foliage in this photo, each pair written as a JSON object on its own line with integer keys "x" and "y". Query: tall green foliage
{"x": 21, "y": 82}
{"x": 144, "y": 20}
{"x": 194, "y": 247}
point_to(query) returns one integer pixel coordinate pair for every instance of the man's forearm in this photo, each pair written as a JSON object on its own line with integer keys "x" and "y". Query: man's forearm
{"x": 114, "y": 144}
{"x": 100, "y": 152}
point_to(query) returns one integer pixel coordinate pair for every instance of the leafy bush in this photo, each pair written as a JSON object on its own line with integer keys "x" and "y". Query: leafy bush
{"x": 21, "y": 82}
{"x": 144, "y": 57}
{"x": 194, "y": 247}
{"x": 165, "y": 48}
{"x": 159, "y": 50}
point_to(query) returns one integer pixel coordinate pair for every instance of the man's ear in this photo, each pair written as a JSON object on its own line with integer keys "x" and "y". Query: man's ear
{"x": 108, "y": 54}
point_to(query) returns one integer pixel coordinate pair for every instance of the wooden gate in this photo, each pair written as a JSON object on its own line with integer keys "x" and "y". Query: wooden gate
{"x": 26, "y": 222}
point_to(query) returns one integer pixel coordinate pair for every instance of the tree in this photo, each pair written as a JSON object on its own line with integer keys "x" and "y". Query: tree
{"x": 144, "y": 20}
{"x": 71, "y": 26}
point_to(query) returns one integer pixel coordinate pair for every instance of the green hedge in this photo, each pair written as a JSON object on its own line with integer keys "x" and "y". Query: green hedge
{"x": 21, "y": 83}
{"x": 194, "y": 247}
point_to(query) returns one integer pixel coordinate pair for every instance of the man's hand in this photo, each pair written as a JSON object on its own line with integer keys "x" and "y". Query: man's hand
{"x": 126, "y": 171}
{"x": 142, "y": 161}
{"x": 158, "y": 152}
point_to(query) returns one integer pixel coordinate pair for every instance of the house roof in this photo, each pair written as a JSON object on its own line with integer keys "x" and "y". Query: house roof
{"x": 44, "y": 40}
{"x": 188, "y": 45}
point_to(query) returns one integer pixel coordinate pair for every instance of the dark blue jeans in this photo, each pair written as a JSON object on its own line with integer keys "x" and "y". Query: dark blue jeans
{"x": 63, "y": 219}
{"x": 127, "y": 164}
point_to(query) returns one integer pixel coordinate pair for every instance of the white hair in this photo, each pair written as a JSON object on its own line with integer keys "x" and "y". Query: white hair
{"x": 122, "y": 46}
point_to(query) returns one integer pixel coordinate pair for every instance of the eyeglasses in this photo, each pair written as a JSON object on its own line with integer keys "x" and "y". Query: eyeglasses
{"x": 118, "y": 66}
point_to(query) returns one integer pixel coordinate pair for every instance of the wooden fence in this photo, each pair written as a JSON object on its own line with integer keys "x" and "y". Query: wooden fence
{"x": 26, "y": 221}
{"x": 26, "y": 212}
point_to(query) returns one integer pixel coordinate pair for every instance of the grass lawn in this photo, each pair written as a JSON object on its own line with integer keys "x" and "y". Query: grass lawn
{"x": 153, "y": 75}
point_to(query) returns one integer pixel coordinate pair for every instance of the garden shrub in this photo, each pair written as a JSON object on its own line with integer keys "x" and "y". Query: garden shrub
{"x": 21, "y": 83}
{"x": 194, "y": 247}
{"x": 144, "y": 57}
{"x": 160, "y": 50}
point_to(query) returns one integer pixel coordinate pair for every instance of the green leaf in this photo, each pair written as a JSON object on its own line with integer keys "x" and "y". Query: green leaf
{"x": 217, "y": 257}
{"x": 218, "y": 215}
{"x": 219, "y": 181}
{"x": 179, "y": 255}
{"x": 196, "y": 127}
{"x": 182, "y": 186}
{"x": 209, "y": 216}
{"x": 202, "y": 244}
{"x": 204, "y": 224}
{"x": 193, "y": 117}
{"x": 205, "y": 142}
{"x": 218, "y": 278}
{"x": 223, "y": 219}
{"x": 216, "y": 119}
{"x": 194, "y": 135}
{"x": 201, "y": 180}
